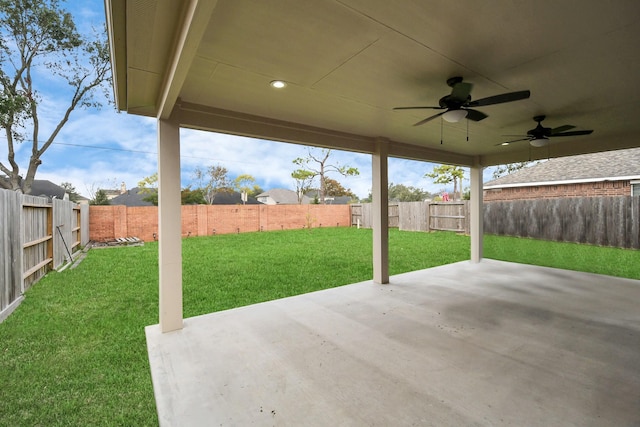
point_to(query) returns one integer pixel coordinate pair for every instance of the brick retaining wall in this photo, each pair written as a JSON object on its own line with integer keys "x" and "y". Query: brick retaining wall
{"x": 110, "y": 222}
{"x": 590, "y": 189}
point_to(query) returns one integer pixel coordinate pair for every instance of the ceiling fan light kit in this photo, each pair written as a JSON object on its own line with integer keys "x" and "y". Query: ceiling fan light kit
{"x": 458, "y": 104}
{"x": 539, "y": 142}
{"x": 540, "y": 135}
{"x": 454, "y": 116}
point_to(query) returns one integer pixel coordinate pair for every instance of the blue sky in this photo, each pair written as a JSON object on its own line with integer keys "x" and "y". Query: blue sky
{"x": 100, "y": 148}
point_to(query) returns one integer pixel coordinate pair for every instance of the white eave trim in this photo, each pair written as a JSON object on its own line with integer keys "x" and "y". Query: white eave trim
{"x": 562, "y": 182}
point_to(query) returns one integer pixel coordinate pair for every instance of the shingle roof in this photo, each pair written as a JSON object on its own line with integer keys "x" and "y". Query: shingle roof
{"x": 620, "y": 164}
{"x": 283, "y": 196}
{"x": 134, "y": 198}
{"x": 234, "y": 198}
{"x": 131, "y": 198}
{"x": 43, "y": 187}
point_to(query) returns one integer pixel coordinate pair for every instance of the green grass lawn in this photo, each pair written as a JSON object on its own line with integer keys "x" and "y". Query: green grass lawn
{"x": 74, "y": 352}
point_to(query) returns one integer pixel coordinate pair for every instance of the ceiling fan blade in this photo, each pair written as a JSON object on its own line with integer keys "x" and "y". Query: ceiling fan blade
{"x": 461, "y": 91}
{"x": 561, "y": 129}
{"x": 428, "y": 119}
{"x": 419, "y": 108}
{"x": 573, "y": 133}
{"x": 499, "y": 99}
{"x": 515, "y": 140}
{"x": 475, "y": 115}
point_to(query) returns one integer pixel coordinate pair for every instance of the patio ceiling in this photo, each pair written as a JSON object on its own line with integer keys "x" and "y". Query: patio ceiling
{"x": 349, "y": 62}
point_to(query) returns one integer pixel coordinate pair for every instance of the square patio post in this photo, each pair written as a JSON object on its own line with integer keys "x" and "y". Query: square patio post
{"x": 477, "y": 212}
{"x": 380, "y": 214}
{"x": 169, "y": 226}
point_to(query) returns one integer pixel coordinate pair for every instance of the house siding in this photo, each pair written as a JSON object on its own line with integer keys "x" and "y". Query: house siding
{"x": 588, "y": 189}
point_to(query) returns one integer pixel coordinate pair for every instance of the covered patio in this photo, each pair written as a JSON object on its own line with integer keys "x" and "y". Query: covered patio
{"x": 490, "y": 343}
{"x": 485, "y": 343}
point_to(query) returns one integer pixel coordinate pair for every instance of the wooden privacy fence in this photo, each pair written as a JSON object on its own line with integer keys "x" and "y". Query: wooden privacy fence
{"x": 37, "y": 235}
{"x": 418, "y": 216}
{"x": 604, "y": 221}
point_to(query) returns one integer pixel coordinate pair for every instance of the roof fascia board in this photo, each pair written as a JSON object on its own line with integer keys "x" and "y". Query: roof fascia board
{"x": 115, "y": 12}
{"x": 200, "y": 117}
{"x": 195, "y": 19}
{"x": 196, "y": 116}
{"x": 426, "y": 154}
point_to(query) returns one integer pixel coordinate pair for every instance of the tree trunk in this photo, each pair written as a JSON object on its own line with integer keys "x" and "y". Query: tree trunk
{"x": 455, "y": 188}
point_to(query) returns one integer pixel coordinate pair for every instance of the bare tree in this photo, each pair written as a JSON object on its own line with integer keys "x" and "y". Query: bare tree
{"x": 39, "y": 34}
{"x": 317, "y": 164}
{"x": 510, "y": 168}
{"x": 212, "y": 181}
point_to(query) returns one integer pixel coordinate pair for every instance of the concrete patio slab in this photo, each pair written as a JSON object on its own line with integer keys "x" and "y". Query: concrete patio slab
{"x": 493, "y": 343}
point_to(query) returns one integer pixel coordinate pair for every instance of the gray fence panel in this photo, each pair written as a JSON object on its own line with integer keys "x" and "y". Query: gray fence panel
{"x": 10, "y": 248}
{"x": 413, "y": 216}
{"x": 64, "y": 223}
{"x": 35, "y": 219}
{"x": 603, "y": 221}
{"x": 30, "y": 241}
{"x": 84, "y": 225}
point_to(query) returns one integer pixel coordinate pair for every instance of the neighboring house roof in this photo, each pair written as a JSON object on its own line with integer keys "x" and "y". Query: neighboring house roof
{"x": 329, "y": 200}
{"x": 234, "y": 198}
{"x": 132, "y": 198}
{"x": 606, "y": 166}
{"x": 281, "y": 196}
{"x": 111, "y": 194}
{"x": 46, "y": 188}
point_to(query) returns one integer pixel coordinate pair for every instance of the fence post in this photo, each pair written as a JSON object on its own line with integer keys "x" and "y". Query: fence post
{"x": 50, "y": 250}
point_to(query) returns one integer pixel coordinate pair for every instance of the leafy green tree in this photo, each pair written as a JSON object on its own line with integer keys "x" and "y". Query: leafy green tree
{"x": 317, "y": 164}
{"x": 100, "y": 198}
{"x": 149, "y": 187}
{"x": 509, "y": 168}
{"x": 211, "y": 181}
{"x": 74, "y": 196}
{"x": 192, "y": 197}
{"x": 304, "y": 180}
{"x": 244, "y": 184}
{"x": 335, "y": 189}
{"x": 255, "y": 190}
{"x": 404, "y": 193}
{"x": 37, "y": 36}
{"x": 446, "y": 174}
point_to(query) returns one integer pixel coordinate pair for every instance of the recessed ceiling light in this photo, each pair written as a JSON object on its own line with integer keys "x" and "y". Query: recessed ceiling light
{"x": 278, "y": 84}
{"x": 505, "y": 143}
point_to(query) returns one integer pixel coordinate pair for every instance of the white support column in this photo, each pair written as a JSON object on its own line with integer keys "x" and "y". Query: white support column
{"x": 169, "y": 226}
{"x": 477, "y": 213}
{"x": 380, "y": 214}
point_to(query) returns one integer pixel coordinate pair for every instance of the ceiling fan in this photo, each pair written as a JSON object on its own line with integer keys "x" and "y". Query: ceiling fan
{"x": 539, "y": 136}
{"x": 458, "y": 103}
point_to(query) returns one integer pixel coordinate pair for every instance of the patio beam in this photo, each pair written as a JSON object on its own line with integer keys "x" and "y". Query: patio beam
{"x": 380, "y": 214}
{"x": 477, "y": 212}
{"x": 196, "y": 17}
{"x": 169, "y": 226}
